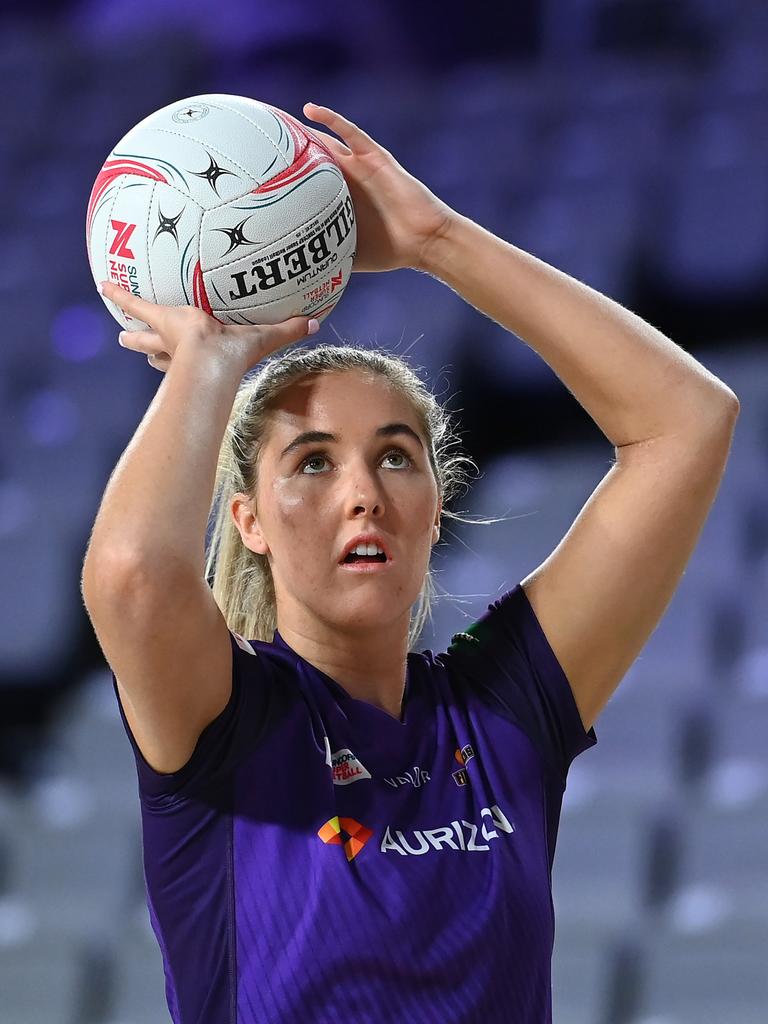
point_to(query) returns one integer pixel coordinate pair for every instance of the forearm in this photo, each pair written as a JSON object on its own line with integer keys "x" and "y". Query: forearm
{"x": 156, "y": 504}
{"x": 633, "y": 381}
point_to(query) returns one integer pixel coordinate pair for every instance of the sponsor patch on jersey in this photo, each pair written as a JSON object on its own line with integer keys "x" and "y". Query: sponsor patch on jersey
{"x": 465, "y": 754}
{"x": 416, "y": 778}
{"x": 461, "y": 777}
{"x": 346, "y": 767}
{"x": 346, "y": 832}
{"x": 460, "y": 835}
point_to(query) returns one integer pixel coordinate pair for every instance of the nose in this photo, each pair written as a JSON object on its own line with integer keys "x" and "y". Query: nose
{"x": 365, "y": 492}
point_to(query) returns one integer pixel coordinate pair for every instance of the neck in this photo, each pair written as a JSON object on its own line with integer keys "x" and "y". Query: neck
{"x": 370, "y": 666}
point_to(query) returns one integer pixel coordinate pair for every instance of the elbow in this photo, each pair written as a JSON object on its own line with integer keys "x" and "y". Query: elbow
{"x": 721, "y": 408}
{"x": 728, "y": 397}
{"x": 105, "y": 577}
{"x": 732, "y": 406}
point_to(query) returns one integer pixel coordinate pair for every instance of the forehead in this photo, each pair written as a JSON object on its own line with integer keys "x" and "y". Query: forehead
{"x": 342, "y": 402}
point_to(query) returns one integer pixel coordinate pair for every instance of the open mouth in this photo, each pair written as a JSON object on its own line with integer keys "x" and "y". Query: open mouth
{"x": 365, "y": 564}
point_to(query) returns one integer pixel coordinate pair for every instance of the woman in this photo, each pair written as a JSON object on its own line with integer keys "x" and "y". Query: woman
{"x": 332, "y": 822}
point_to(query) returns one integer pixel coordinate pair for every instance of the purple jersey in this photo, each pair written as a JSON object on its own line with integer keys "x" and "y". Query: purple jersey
{"x": 317, "y": 859}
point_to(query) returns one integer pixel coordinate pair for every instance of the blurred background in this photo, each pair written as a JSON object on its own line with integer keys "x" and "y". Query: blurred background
{"x": 623, "y": 141}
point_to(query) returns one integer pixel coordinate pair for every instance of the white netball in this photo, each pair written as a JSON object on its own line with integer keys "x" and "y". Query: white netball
{"x": 224, "y": 203}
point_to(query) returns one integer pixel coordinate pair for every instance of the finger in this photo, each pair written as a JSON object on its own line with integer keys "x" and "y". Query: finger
{"x": 131, "y": 304}
{"x": 148, "y": 342}
{"x": 336, "y": 147}
{"x": 357, "y": 140}
{"x": 159, "y": 362}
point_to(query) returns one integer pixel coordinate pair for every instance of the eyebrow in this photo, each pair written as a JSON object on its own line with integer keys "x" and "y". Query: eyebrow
{"x": 315, "y": 436}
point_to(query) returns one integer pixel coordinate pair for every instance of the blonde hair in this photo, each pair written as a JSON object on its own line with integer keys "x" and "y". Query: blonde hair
{"x": 241, "y": 579}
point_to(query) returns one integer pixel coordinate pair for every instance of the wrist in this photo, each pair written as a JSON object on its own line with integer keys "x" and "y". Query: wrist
{"x": 436, "y": 253}
{"x": 215, "y": 354}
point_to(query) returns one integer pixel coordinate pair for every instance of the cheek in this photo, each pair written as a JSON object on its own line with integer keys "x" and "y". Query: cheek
{"x": 296, "y": 516}
{"x": 424, "y": 506}
{"x": 289, "y": 505}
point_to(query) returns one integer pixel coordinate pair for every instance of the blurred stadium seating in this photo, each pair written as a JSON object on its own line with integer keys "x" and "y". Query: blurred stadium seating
{"x": 600, "y": 166}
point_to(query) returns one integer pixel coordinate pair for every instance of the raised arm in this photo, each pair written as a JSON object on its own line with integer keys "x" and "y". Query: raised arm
{"x": 603, "y": 590}
{"x": 601, "y": 593}
{"x": 143, "y": 580}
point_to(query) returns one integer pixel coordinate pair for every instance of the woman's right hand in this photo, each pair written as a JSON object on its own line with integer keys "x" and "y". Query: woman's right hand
{"x": 170, "y": 325}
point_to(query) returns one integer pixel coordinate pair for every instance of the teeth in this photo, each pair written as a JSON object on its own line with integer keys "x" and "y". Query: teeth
{"x": 367, "y": 549}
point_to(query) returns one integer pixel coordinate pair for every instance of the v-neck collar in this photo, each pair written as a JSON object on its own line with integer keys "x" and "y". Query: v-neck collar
{"x": 343, "y": 695}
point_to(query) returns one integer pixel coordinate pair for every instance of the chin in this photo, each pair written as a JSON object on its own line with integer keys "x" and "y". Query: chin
{"x": 368, "y": 612}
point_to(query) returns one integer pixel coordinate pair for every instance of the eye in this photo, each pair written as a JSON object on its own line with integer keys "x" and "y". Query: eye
{"x": 310, "y": 458}
{"x": 400, "y": 452}
{"x": 314, "y": 456}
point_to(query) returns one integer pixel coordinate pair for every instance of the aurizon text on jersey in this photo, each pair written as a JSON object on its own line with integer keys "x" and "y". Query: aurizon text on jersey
{"x": 459, "y": 835}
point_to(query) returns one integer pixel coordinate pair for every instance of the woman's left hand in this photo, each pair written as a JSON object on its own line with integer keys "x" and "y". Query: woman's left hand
{"x": 398, "y": 218}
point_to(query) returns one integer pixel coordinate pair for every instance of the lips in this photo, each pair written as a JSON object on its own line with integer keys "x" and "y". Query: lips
{"x": 366, "y": 567}
{"x": 366, "y": 538}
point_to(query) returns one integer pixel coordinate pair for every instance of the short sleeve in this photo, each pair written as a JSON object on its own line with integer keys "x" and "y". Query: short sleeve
{"x": 253, "y": 705}
{"x": 505, "y": 656}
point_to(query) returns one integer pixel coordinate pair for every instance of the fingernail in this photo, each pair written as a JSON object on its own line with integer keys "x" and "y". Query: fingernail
{"x": 120, "y": 338}
{"x": 313, "y": 327}
{"x": 100, "y": 287}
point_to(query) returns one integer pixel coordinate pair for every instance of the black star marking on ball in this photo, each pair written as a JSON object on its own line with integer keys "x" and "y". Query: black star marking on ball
{"x": 212, "y": 173}
{"x": 192, "y": 112}
{"x": 167, "y": 225}
{"x": 236, "y": 236}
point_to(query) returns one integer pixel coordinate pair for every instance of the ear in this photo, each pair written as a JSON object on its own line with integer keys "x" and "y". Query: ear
{"x": 436, "y": 527}
{"x": 247, "y": 523}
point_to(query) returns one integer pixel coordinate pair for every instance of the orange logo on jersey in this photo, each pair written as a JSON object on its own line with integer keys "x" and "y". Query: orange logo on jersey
{"x": 464, "y": 755}
{"x": 461, "y": 777}
{"x": 357, "y": 835}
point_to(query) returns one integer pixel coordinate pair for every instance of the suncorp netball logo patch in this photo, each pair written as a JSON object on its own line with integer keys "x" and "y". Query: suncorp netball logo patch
{"x": 345, "y": 766}
{"x": 122, "y": 236}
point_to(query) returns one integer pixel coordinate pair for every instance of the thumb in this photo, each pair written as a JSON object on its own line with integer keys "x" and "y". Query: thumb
{"x": 294, "y": 329}
{"x": 271, "y": 338}
{"x": 311, "y": 326}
